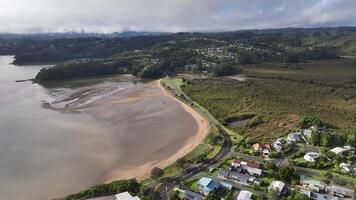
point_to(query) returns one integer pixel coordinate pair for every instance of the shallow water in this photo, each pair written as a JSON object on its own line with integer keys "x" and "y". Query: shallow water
{"x": 46, "y": 154}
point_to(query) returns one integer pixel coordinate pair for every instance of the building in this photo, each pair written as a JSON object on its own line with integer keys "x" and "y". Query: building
{"x": 188, "y": 195}
{"x": 244, "y": 195}
{"x": 125, "y": 196}
{"x": 250, "y": 167}
{"x": 346, "y": 167}
{"x": 224, "y": 173}
{"x": 320, "y": 196}
{"x": 295, "y": 137}
{"x": 278, "y": 144}
{"x": 207, "y": 185}
{"x": 241, "y": 178}
{"x": 312, "y": 184}
{"x": 226, "y": 185}
{"x": 311, "y": 156}
{"x": 278, "y": 186}
{"x": 262, "y": 148}
{"x": 342, "y": 192}
{"x": 307, "y": 133}
{"x": 338, "y": 150}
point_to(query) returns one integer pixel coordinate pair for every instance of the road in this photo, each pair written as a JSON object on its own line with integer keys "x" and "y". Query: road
{"x": 168, "y": 185}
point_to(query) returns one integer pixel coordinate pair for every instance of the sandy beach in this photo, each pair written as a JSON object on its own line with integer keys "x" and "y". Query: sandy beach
{"x": 151, "y": 128}
{"x": 143, "y": 171}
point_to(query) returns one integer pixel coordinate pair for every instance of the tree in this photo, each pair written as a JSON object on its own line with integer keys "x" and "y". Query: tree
{"x": 295, "y": 195}
{"x": 156, "y": 172}
{"x": 308, "y": 121}
{"x": 315, "y": 139}
{"x": 174, "y": 196}
{"x": 326, "y": 139}
{"x": 285, "y": 173}
{"x": 272, "y": 195}
{"x": 261, "y": 197}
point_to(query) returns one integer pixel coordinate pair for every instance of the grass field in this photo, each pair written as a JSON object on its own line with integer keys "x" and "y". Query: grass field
{"x": 281, "y": 95}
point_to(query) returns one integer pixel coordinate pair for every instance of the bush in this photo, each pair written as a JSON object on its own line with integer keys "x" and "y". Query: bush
{"x": 156, "y": 172}
{"x": 131, "y": 185}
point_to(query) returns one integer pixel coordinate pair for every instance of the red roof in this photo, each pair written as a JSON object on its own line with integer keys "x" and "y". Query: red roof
{"x": 249, "y": 164}
{"x": 259, "y": 146}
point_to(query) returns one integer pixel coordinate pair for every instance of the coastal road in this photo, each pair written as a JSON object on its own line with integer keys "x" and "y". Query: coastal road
{"x": 168, "y": 185}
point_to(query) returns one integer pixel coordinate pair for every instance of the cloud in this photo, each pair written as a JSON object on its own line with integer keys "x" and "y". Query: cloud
{"x": 171, "y": 15}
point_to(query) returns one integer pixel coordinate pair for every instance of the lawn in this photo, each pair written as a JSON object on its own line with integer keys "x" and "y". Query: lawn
{"x": 279, "y": 100}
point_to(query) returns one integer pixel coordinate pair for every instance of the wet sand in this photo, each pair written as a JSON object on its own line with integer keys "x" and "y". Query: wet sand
{"x": 151, "y": 128}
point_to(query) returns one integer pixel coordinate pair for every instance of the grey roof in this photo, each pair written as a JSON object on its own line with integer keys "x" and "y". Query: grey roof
{"x": 224, "y": 172}
{"x": 342, "y": 190}
{"x": 192, "y": 195}
{"x": 239, "y": 177}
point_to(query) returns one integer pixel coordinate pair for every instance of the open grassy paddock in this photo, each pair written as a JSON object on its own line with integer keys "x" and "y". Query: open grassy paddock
{"x": 278, "y": 95}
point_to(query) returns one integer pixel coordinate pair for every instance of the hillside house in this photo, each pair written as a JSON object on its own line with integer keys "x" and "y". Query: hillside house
{"x": 294, "y": 137}
{"x": 265, "y": 149}
{"x": 311, "y": 156}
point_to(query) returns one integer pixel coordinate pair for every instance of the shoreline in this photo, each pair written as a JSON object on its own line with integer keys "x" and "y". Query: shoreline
{"x": 143, "y": 171}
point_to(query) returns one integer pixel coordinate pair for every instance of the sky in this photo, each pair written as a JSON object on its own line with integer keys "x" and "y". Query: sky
{"x": 106, "y": 16}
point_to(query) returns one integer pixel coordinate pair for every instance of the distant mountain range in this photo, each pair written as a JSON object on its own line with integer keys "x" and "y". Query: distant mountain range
{"x": 127, "y": 34}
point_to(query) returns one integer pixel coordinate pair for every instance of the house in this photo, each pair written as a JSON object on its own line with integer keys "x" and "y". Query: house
{"x": 207, "y": 185}
{"x": 224, "y": 173}
{"x": 312, "y": 184}
{"x": 295, "y": 137}
{"x": 342, "y": 192}
{"x": 188, "y": 195}
{"x": 240, "y": 177}
{"x": 311, "y": 156}
{"x": 226, "y": 185}
{"x": 320, "y": 196}
{"x": 262, "y": 148}
{"x": 125, "y": 196}
{"x": 345, "y": 167}
{"x": 244, "y": 195}
{"x": 350, "y": 149}
{"x": 278, "y": 186}
{"x": 251, "y": 167}
{"x": 307, "y": 133}
{"x": 338, "y": 150}
{"x": 278, "y": 144}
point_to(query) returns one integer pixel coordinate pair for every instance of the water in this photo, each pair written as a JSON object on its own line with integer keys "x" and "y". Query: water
{"x": 45, "y": 154}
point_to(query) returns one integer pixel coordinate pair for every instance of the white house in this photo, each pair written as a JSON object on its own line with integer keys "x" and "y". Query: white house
{"x": 278, "y": 144}
{"x": 338, "y": 150}
{"x": 244, "y": 195}
{"x": 278, "y": 186}
{"x": 311, "y": 156}
{"x": 125, "y": 196}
